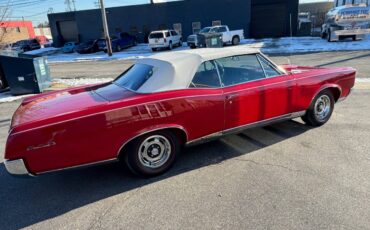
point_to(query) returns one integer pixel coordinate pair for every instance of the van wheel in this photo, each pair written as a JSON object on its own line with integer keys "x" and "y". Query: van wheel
{"x": 320, "y": 109}
{"x": 152, "y": 154}
{"x": 170, "y": 46}
{"x": 236, "y": 40}
{"x": 154, "y": 49}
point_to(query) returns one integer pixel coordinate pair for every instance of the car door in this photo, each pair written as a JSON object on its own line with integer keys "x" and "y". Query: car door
{"x": 207, "y": 102}
{"x": 254, "y": 89}
{"x": 175, "y": 38}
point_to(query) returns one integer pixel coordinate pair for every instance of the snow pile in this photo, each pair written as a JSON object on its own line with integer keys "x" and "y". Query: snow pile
{"x": 82, "y": 81}
{"x": 73, "y": 82}
{"x": 304, "y": 44}
{"x": 139, "y": 51}
{"x": 7, "y": 97}
{"x": 43, "y": 51}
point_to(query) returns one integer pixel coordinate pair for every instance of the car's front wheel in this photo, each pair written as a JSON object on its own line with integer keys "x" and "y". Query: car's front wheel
{"x": 152, "y": 154}
{"x": 320, "y": 109}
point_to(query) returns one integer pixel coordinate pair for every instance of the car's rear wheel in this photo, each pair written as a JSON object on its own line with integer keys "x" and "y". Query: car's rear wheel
{"x": 152, "y": 154}
{"x": 320, "y": 109}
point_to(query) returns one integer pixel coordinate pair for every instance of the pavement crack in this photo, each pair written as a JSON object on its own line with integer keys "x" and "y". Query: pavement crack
{"x": 268, "y": 164}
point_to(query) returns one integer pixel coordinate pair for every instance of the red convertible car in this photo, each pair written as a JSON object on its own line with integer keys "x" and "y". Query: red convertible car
{"x": 164, "y": 102}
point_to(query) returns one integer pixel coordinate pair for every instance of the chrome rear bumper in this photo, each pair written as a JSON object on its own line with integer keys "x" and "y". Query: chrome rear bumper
{"x": 16, "y": 167}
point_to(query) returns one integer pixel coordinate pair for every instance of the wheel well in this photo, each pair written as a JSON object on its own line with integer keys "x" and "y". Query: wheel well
{"x": 180, "y": 134}
{"x": 336, "y": 93}
{"x": 236, "y": 36}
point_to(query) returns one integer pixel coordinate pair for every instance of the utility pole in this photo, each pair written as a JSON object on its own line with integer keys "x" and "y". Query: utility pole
{"x": 74, "y": 5}
{"x": 68, "y": 5}
{"x": 105, "y": 26}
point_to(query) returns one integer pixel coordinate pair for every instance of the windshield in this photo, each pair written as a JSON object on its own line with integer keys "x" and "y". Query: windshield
{"x": 135, "y": 77}
{"x": 205, "y": 30}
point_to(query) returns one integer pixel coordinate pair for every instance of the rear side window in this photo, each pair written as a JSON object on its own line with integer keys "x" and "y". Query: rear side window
{"x": 239, "y": 69}
{"x": 168, "y": 34}
{"x": 135, "y": 77}
{"x": 206, "y": 76}
{"x": 156, "y": 35}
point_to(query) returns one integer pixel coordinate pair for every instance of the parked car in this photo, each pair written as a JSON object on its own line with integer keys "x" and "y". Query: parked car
{"x": 88, "y": 47}
{"x": 164, "y": 39}
{"x": 122, "y": 41}
{"x": 228, "y": 36}
{"x": 26, "y": 45}
{"x": 69, "y": 47}
{"x": 164, "y": 102}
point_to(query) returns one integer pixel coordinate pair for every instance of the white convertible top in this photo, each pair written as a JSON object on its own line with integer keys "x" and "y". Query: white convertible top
{"x": 175, "y": 70}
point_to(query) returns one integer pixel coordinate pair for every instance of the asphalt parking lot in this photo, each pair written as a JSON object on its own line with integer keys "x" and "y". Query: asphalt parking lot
{"x": 284, "y": 176}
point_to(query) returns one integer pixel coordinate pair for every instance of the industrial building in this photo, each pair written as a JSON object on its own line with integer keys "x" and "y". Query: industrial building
{"x": 13, "y": 31}
{"x": 258, "y": 18}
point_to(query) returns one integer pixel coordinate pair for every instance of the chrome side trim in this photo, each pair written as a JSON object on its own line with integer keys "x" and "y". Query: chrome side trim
{"x": 244, "y": 127}
{"x": 16, "y": 167}
{"x": 80, "y": 166}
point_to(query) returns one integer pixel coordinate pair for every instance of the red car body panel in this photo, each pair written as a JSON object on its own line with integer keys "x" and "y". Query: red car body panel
{"x": 91, "y": 124}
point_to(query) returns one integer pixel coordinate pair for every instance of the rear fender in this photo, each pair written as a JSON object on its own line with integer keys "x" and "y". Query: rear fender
{"x": 153, "y": 129}
{"x": 335, "y": 89}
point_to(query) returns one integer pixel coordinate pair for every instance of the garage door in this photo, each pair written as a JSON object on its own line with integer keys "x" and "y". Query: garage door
{"x": 68, "y": 30}
{"x": 269, "y": 21}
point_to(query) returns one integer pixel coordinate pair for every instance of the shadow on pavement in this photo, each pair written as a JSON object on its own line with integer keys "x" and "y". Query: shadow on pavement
{"x": 27, "y": 201}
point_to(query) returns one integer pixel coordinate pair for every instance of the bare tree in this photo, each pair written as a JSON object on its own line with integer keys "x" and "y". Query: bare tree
{"x": 4, "y": 15}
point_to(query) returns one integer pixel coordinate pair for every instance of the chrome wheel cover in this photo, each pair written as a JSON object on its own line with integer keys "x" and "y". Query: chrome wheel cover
{"x": 154, "y": 151}
{"x": 322, "y": 107}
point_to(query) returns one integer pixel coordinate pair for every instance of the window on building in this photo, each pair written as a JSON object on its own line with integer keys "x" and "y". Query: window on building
{"x": 162, "y": 27}
{"x": 133, "y": 30}
{"x": 178, "y": 28}
{"x": 216, "y": 23}
{"x": 206, "y": 76}
{"x": 197, "y": 26}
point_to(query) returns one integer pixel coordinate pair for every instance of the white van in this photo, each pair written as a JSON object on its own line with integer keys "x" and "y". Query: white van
{"x": 164, "y": 39}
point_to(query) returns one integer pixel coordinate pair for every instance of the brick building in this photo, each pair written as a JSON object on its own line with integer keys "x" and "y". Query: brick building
{"x": 12, "y": 31}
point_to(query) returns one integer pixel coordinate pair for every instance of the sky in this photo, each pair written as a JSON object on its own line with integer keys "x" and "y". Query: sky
{"x": 36, "y": 10}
